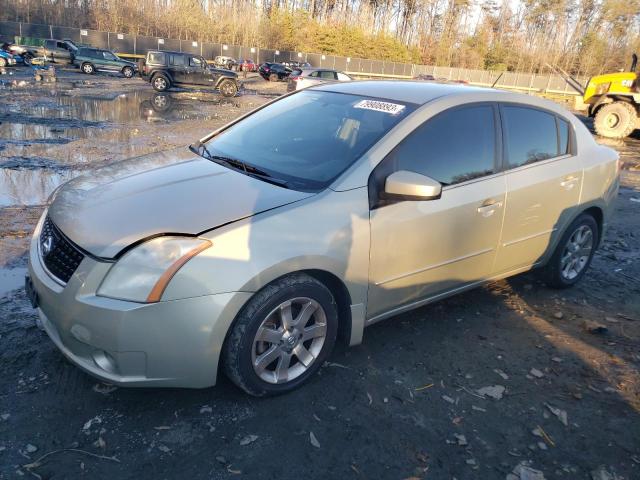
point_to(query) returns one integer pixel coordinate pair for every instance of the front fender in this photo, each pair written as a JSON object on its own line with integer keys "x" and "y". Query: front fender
{"x": 329, "y": 232}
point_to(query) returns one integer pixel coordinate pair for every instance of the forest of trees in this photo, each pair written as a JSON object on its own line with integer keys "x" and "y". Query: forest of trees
{"x": 581, "y": 36}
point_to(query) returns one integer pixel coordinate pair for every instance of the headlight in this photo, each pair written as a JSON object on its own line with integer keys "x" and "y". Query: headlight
{"x": 143, "y": 273}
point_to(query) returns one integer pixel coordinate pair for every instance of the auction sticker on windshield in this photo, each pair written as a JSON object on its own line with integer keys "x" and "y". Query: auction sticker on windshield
{"x": 387, "y": 107}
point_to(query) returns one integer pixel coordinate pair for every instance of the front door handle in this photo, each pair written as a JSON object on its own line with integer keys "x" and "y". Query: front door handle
{"x": 488, "y": 207}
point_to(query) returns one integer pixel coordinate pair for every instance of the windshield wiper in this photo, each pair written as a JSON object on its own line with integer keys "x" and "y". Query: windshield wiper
{"x": 201, "y": 149}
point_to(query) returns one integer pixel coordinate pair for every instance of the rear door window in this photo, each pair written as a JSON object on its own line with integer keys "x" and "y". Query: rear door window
{"x": 327, "y": 75}
{"x": 177, "y": 60}
{"x": 530, "y": 135}
{"x": 455, "y": 146}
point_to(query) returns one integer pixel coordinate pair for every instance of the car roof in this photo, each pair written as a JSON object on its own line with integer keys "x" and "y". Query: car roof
{"x": 406, "y": 91}
{"x": 172, "y": 53}
{"x": 310, "y": 70}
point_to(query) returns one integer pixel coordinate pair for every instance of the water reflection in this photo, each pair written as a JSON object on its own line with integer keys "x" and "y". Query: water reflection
{"x": 37, "y": 135}
{"x": 10, "y": 279}
{"x": 29, "y": 186}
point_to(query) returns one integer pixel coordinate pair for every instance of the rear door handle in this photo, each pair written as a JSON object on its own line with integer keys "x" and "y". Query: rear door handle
{"x": 569, "y": 182}
{"x": 488, "y": 207}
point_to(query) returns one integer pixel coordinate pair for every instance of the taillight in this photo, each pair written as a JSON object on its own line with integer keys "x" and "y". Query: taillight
{"x": 295, "y": 79}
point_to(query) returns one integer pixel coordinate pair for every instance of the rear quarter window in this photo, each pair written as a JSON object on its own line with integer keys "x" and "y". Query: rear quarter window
{"x": 564, "y": 134}
{"x": 156, "y": 58}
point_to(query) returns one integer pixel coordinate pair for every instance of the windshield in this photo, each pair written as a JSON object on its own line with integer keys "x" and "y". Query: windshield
{"x": 309, "y": 138}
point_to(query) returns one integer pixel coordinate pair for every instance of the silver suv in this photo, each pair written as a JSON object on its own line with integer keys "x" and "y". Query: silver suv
{"x": 307, "y": 220}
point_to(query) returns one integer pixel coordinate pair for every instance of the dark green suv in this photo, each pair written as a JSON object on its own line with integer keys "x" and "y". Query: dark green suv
{"x": 166, "y": 69}
{"x": 91, "y": 60}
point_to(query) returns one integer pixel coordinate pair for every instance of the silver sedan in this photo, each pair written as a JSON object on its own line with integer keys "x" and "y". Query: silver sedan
{"x": 307, "y": 220}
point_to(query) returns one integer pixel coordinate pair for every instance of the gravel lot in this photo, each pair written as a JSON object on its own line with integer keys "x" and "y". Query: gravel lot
{"x": 404, "y": 405}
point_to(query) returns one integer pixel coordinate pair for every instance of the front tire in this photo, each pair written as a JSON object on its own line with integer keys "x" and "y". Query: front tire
{"x": 615, "y": 120}
{"x": 573, "y": 254}
{"x": 228, "y": 88}
{"x": 160, "y": 83}
{"x": 273, "y": 77}
{"x": 282, "y": 336}
{"x": 88, "y": 68}
{"x": 127, "y": 72}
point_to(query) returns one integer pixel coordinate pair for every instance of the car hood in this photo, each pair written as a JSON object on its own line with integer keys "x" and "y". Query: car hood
{"x": 223, "y": 71}
{"x": 170, "y": 192}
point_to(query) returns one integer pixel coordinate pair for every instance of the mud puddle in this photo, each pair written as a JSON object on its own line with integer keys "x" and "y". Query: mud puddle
{"x": 48, "y": 140}
{"x": 11, "y": 279}
{"x": 30, "y": 186}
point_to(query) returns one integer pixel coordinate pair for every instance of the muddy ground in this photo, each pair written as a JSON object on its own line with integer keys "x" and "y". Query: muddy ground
{"x": 405, "y": 404}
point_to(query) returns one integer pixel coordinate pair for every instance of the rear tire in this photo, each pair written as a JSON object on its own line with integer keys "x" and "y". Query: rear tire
{"x": 88, "y": 68}
{"x": 127, "y": 72}
{"x": 3, "y": 62}
{"x": 160, "y": 83}
{"x": 264, "y": 354}
{"x": 228, "y": 88}
{"x": 573, "y": 254}
{"x": 615, "y": 120}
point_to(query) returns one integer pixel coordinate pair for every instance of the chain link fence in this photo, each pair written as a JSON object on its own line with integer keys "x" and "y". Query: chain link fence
{"x": 139, "y": 45}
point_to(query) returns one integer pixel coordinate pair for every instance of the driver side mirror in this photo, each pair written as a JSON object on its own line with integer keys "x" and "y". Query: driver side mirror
{"x": 406, "y": 185}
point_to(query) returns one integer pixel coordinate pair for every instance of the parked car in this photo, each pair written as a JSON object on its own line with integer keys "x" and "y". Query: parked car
{"x": 273, "y": 71}
{"x": 167, "y": 69}
{"x": 321, "y": 213}
{"x": 56, "y": 51}
{"x": 222, "y": 61}
{"x": 6, "y": 59}
{"x": 247, "y": 65}
{"x": 300, "y": 79}
{"x": 90, "y": 60}
{"x": 13, "y": 50}
{"x": 293, "y": 65}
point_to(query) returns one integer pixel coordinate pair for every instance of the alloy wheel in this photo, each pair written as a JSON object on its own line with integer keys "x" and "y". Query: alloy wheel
{"x": 160, "y": 83}
{"x": 576, "y": 253}
{"x": 289, "y": 340}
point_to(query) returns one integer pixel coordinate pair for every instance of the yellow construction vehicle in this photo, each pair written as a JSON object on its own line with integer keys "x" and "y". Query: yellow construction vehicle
{"x": 612, "y": 100}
